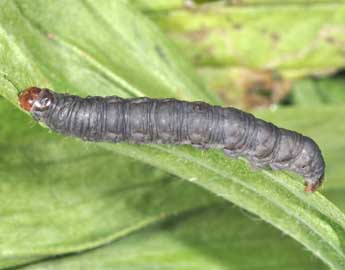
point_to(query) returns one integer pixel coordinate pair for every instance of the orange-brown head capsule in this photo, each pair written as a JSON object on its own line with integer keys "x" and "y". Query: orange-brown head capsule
{"x": 28, "y": 97}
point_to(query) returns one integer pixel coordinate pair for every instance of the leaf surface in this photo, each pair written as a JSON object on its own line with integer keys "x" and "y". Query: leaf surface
{"x": 87, "y": 50}
{"x": 217, "y": 237}
{"x": 293, "y": 39}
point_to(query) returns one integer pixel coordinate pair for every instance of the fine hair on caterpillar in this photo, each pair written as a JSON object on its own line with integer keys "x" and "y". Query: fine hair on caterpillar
{"x": 171, "y": 121}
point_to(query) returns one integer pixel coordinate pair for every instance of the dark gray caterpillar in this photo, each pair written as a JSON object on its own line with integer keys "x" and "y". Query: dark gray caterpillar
{"x": 171, "y": 121}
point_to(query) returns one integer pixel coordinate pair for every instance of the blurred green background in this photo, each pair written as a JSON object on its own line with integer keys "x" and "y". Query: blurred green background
{"x": 66, "y": 204}
{"x": 255, "y": 53}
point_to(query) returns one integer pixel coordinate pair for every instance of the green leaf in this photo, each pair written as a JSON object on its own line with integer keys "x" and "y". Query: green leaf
{"x": 217, "y": 237}
{"x": 156, "y": 5}
{"x": 288, "y": 38}
{"x": 110, "y": 198}
{"x": 309, "y": 92}
{"x": 304, "y": 92}
{"x": 87, "y": 50}
{"x": 200, "y": 239}
{"x": 160, "y": 5}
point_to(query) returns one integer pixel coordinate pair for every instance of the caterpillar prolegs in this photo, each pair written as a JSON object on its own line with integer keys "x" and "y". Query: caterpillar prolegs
{"x": 170, "y": 121}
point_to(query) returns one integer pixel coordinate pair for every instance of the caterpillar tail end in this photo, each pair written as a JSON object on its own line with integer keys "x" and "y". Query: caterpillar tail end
{"x": 312, "y": 186}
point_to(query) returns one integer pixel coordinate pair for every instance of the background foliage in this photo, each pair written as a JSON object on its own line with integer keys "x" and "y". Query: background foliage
{"x": 68, "y": 204}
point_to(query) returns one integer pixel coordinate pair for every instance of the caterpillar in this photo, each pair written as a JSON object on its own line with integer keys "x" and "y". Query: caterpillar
{"x": 170, "y": 121}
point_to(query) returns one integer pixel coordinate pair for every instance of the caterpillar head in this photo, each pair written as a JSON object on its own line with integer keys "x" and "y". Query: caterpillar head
{"x": 310, "y": 164}
{"x": 35, "y": 100}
